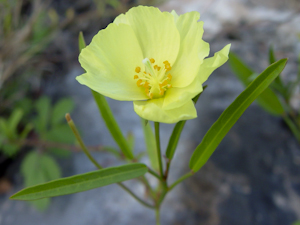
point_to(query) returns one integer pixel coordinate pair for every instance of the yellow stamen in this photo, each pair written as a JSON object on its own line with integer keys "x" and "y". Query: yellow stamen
{"x": 135, "y": 77}
{"x": 139, "y": 83}
{"x": 150, "y": 95}
{"x": 162, "y": 91}
{"x": 169, "y": 85}
{"x": 163, "y": 83}
{"x": 138, "y": 69}
{"x": 146, "y": 85}
{"x": 152, "y": 60}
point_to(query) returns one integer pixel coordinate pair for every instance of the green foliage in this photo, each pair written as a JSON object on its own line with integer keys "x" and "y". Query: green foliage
{"x": 229, "y": 117}
{"x": 277, "y": 99}
{"x": 82, "y": 182}
{"x": 296, "y": 223}
{"x": 9, "y": 133}
{"x": 50, "y": 123}
{"x": 267, "y": 99}
{"x": 150, "y": 144}
{"x": 39, "y": 168}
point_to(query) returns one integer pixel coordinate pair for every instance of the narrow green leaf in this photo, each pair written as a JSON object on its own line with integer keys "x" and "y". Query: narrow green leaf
{"x": 228, "y": 118}
{"x": 268, "y": 100}
{"x": 272, "y": 58}
{"x": 81, "y": 41}
{"x": 173, "y": 141}
{"x": 60, "y": 109}
{"x": 14, "y": 120}
{"x": 112, "y": 125}
{"x": 82, "y": 182}
{"x": 150, "y": 144}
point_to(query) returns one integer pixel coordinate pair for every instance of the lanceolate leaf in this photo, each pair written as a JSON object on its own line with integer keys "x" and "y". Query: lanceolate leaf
{"x": 82, "y": 182}
{"x": 228, "y": 118}
{"x": 267, "y": 99}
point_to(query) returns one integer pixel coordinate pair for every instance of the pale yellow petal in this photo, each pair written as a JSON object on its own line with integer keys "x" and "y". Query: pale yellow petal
{"x": 212, "y": 63}
{"x": 204, "y": 46}
{"x": 110, "y": 61}
{"x": 187, "y": 64}
{"x": 156, "y": 33}
{"x": 176, "y": 97}
{"x": 152, "y": 110}
{"x": 121, "y": 19}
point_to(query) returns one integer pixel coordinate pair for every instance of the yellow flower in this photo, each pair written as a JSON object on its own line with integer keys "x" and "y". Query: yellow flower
{"x": 153, "y": 58}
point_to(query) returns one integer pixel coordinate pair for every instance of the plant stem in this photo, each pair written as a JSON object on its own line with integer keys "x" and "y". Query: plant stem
{"x": 181, "y": 179}
{"x": 91, "y": 158}
{"x": 155, "y": 174}
{"x": 135, "y": 197}
{"x": 156, "y": 126}
{"x": 157, "y": 215}
{"x": 80, "y": 141}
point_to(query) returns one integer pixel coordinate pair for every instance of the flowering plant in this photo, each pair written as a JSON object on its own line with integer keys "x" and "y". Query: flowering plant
{"x": 153, "y": 58}
{"x": 157, "y": 60}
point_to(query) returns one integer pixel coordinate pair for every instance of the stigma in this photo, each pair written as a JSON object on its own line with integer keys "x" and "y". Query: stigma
{"x": 155, "y": 79}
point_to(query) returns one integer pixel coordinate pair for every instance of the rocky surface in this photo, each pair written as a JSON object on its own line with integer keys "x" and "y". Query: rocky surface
{"x": 252, "y": 178}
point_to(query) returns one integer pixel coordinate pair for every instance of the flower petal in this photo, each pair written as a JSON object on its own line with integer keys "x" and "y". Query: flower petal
{"x": 152, "y": 110}
{"x": 176, "y": 97}
{"x": 187, "y": 64}
{"x": 212, "y": 63}
{"x": 155, "y": 31}
{"x": 110, "y": 61}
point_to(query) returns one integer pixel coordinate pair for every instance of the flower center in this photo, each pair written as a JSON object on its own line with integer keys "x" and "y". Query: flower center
{"x": 155, "y": 79}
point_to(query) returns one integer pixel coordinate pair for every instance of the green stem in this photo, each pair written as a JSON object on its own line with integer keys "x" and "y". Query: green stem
{"x": 181, "y": 179}
{"x": 136, "y": 197}
{"x": 80, "y": 141}
{"x": 157, "y": 215}
{"x": 156, "y": 126}
{"x": 85, "y": 150}
{"x": 155, "y": 174}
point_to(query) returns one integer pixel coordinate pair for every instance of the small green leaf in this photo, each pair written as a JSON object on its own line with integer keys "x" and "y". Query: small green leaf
{"x": 81, "y": 42}
{"x": 60, "y": 109}
{"x": 230, "y": 115}
{"x": 82, "y": 182}
{"x": 14, "y": 120}
{"x": 4, "y": 129}
{"x": 10, "y": 149}
{"x": 43, "y": 109}
{"x": 267, "y": 99}
{"x": 150, "y": 144}
{"x": 39, "y": 168}
{"x": 272, "y": 58}
{"x": 26, "y": 130}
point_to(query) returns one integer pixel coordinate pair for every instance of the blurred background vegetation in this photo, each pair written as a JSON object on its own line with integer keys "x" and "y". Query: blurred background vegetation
{"x": 38, "y": 47}
{"x": 32, "y": 127}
